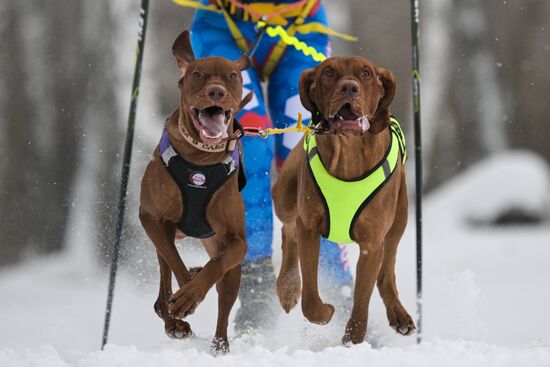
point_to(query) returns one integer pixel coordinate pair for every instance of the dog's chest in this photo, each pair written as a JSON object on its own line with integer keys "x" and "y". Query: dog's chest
{"x": 346, "y": 200}
{"x": 197, "y": 185}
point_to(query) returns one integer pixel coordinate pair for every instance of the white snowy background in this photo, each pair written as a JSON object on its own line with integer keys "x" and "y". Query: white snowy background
{"x": 486, "y": 296}
{"x": 486, "y": 293}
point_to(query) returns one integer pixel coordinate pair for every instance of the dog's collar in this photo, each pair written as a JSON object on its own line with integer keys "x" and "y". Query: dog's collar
{"x": 223, "y": 146}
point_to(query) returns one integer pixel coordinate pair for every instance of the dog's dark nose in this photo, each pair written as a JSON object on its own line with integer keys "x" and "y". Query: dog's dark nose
{"x": 216, "y": 92}
{"x": 349, "y": 88}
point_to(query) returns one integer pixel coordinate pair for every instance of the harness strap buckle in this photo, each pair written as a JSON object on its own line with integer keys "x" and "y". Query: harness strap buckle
{"x": 229, "y": 164}
{"x": 168, "y": 154}
{"x": 231, "y": 144}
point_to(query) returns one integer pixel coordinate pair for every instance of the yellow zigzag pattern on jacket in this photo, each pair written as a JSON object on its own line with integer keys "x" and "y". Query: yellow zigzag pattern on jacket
{"x": 293, "y": 41}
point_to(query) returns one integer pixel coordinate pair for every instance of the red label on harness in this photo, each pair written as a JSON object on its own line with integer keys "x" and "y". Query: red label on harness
{"x": 197, "y": 179}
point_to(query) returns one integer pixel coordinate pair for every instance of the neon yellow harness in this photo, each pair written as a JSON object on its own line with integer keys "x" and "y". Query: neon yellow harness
{"x": 345, "y": 199}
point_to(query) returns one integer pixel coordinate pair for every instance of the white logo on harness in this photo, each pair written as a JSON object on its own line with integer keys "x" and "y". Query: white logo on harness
{"x": 198, "y": 179}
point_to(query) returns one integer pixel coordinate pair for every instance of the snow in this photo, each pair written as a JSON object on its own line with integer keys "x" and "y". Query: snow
{"x": 436, "y": 353}
{"x": 501, "y": 182}
{"x": 485, "y": 296}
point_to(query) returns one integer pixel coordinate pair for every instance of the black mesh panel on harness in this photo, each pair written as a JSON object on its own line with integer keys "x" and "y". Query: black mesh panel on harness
{"x": 197, "y": 184}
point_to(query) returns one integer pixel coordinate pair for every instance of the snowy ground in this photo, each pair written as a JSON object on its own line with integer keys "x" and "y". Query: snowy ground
{"x": 485, "y": 297}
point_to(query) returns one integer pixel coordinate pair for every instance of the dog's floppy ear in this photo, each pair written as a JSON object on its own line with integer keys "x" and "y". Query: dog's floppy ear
{"x": 243, "y": 62}
{"x": 246, "y": 99}
{"x": 381, "y": 118}
{"x": 307, "y": 83}
{"x": 182, "y": 51}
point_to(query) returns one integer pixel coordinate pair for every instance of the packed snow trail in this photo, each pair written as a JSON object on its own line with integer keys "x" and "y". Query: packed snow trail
{"x": 433, "y": 353}
{"x": 483, "y": 284}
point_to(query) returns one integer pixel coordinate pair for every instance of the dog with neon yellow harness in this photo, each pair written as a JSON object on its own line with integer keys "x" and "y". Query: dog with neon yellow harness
{"x": 346, "y": 184}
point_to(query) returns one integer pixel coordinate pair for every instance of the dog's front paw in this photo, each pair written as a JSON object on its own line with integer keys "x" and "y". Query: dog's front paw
{"x": 177, "y": 329}
{"x": 185, "y": 301}
{"x": 319, "y": 314}
{"x": 219, "y": 346}
{"x": 355, "y": 332}
{"x": 289, "y": 288}
{"x": 400, "y": 320}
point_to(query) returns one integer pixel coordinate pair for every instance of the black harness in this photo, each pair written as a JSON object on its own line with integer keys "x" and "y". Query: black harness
{"x": 197, "y": 184}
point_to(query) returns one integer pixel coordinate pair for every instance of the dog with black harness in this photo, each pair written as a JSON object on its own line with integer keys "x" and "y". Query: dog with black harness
{"x": 191, "y": 187}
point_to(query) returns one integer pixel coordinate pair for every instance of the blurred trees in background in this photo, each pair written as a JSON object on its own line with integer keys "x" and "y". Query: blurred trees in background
{"x": 495, "y": 74}
{"x": 472, "y": 120}
{"x": 484, "y": 71}
{"x": 66, "y": 66}
{"x": 56, "y": 104}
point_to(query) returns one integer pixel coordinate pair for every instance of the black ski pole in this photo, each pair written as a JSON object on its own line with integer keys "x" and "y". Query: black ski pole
{"x": 260, "y": 31}
{"x": 126, "y": 166}
{"x": 415, "y": 20}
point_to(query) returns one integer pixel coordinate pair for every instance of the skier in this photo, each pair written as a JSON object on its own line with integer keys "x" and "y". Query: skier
{"x": 228, "y": 28}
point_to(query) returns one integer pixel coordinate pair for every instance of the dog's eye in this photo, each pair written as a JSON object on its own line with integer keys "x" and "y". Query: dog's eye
{"x": 233, "y": 75}
{"x": 366, "y": 74}
{"x": 196, "y": 74}
{"x": 328, "y": 73}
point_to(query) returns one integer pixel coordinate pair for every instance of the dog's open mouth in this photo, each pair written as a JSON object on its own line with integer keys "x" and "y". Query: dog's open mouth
{"x": 212, "y": 122}
{"x": 346, "y": 120}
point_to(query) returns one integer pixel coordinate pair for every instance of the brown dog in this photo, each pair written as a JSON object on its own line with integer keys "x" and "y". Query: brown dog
{"x": 349, "y": 97}
{"x": 201, "y": 133}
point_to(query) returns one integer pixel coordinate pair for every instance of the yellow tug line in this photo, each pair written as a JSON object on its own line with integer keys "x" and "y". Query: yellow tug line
{"x": 299, "y": 128}
{"x": 292, "y": 41}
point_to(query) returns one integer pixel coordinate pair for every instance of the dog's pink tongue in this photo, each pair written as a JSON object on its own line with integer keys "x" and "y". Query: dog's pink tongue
{"x": 213, "y": 125}
{"x": 365, "y": 124}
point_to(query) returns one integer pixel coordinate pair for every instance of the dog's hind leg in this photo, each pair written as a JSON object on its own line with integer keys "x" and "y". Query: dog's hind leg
{"x": 313, "y": 307}
{"x": 176, "y": 329}
{"x": 398, "y": 317}
{"x": 289, "y": 284}
{"x": 228, "y": 289}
